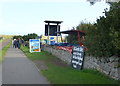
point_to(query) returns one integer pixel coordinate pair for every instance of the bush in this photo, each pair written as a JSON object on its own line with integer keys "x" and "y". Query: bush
{"x": 103, "y": 37}
{"x": 29, "y": 36}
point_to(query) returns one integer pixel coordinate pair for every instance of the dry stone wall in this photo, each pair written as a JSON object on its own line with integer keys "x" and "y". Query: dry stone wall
{"x": 109, "y": 66}
{"x": 61, "y": 54}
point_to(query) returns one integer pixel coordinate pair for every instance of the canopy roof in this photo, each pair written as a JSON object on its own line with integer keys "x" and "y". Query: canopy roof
{"x": 72, "y": 32}
{"x": 57, "y": 22}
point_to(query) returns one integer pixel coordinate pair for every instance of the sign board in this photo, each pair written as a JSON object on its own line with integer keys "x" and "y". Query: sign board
{"x": 34, "y": 45}
{"x": 52, "y": 30}
{"x": 77, "y": 57}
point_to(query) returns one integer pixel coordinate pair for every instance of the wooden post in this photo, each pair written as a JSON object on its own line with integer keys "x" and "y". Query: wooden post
{"x": 57, "y": 31}
{"x": 48, "y": 33}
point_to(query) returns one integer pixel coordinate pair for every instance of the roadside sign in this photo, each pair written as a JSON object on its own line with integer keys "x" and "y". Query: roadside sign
{"x": 77, "y": 57}
{"x": 34, "y": 45}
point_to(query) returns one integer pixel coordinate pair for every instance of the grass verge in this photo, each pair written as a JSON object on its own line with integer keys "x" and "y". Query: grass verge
{"x": 3, "y": 40}
{"x": 67, "y": 75}
{"x": 3, "y": 52}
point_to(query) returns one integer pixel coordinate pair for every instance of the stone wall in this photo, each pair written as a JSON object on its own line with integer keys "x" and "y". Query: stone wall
{"x": 61, "y": 54}
{"x": 109, "y": 66}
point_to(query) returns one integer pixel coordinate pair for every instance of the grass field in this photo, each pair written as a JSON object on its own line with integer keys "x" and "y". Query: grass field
{"x": 3, "y": 52}
{"x": 67, "y": 75}
{"x": 7, "y": 36}
{"x": 3, "y": 40}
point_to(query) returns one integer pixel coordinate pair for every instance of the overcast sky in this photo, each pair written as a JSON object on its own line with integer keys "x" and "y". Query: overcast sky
{"x": 20, "y": 17}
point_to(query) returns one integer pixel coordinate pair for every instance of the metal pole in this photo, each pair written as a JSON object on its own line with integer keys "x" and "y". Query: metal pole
{"x": 79, "y": 38}
{"x": 61, "y": 39}
{"x": 48, "y": 33}
{"x": 57, "y": 31}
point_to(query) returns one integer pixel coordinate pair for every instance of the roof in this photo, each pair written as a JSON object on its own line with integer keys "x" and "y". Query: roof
{"x": 72, "y": 32}
{"x": 48, "y": 21}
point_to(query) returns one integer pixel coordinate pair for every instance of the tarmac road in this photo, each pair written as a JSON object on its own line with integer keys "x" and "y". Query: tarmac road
{"x": 18, "y": 69}
{"x": 2, "y": 45}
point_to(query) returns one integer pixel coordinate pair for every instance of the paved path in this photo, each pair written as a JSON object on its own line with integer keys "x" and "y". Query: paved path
{"x": 17, "y": 69}
{"x": 2, "y": 45}
{"x": 0, "y": 74}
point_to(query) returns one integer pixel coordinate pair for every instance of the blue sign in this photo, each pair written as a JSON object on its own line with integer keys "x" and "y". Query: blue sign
{"x": 34, "y": 45}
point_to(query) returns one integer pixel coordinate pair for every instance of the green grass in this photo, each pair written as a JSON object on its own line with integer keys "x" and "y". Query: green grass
{"x": 67, "y": 75}
{"x": 3, "y": 40}
{"x": 7, "y": 36}
{"x": 36, "y": 55}
{"x": 61, "y": 75}
{"x": 3, "y": 52}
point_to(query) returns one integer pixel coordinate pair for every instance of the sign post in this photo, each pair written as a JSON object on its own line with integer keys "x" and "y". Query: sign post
{"x": 34, "y": 45}
{"x": 77, "y": 57}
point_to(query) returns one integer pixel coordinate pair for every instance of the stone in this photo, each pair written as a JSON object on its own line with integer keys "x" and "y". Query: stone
{"x": 109, "y": 66}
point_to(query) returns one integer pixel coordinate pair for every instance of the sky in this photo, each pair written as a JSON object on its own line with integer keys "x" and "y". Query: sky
{"x": 20, "y": 17}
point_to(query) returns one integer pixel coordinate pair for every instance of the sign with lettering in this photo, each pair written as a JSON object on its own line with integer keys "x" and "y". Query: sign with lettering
{"x": 34, "y": 45}
{"x": 77, "y": 57}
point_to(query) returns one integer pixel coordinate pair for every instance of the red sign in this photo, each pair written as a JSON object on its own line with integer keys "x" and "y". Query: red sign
{"x": 69, "y": 49}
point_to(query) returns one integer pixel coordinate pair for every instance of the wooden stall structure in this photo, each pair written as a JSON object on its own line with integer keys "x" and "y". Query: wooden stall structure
{"x": 80, "y": 33}
{"x": 48, "y": 32}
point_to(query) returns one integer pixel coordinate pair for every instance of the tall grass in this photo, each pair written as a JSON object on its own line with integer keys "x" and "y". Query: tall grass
{"x": 3, "y": 40}
{"x": 3, "y": 52}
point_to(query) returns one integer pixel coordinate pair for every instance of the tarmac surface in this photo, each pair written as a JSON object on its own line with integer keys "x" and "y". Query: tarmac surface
{"x": 18, "y": 69}
{"x": 2, "y": 45}
{"x": 0, "y": 74}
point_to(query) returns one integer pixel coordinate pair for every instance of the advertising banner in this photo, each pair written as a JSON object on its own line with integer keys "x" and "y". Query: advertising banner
{"x": 34, "y": 45}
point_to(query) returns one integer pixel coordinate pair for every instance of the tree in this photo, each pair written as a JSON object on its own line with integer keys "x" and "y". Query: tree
{"x": 16, "y": 37}
{"x": 103, "y": 37}
{"x": 107, "y": 30}
{"x": 73, "y": 38}
{"x": 29, "y": 36}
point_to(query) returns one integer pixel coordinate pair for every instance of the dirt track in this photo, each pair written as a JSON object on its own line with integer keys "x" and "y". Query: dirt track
{"x": 3, "y": 44}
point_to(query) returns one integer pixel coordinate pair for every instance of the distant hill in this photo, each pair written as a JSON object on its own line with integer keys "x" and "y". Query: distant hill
{"x": 7, "y": 36}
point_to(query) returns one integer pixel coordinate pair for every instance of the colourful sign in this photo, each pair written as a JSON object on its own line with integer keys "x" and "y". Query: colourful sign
{"x": 34, "y": 45}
